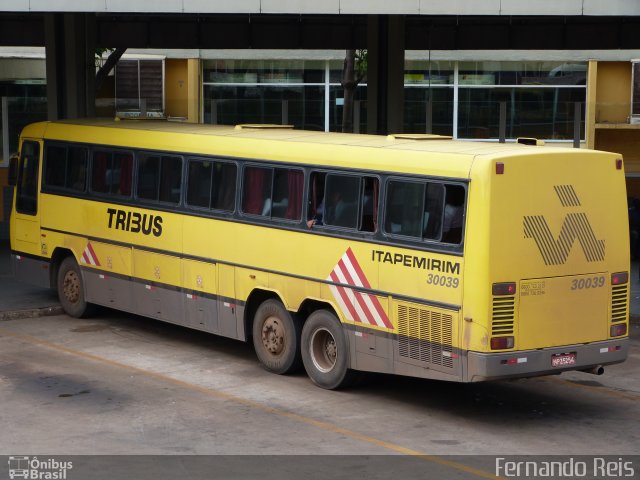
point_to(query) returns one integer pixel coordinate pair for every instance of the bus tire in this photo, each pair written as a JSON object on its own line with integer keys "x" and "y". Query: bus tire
{"x": 71, "y": 291}
{"x": 276, "y": 338}
{"x": 325, "y": 351}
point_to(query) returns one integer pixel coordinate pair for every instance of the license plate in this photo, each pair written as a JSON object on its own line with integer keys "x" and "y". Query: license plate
{"x": 563, "y": 359}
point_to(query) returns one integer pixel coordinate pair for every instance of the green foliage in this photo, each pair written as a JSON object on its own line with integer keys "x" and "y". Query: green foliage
{"x": 361, "y": 64}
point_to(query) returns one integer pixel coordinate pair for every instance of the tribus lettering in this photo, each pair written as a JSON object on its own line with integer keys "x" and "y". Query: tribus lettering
{"x": 411, "y": 261}
{"x": 135, "y": 222}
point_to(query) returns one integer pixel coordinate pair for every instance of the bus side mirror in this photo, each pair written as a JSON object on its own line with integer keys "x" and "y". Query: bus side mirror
{"x": 13, "y": 170}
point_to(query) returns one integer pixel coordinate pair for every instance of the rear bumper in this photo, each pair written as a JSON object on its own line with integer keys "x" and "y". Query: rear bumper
{"x": 527, "y": 363}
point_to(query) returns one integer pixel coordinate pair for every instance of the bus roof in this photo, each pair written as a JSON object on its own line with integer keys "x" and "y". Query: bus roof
{"x": 429, "y": 156}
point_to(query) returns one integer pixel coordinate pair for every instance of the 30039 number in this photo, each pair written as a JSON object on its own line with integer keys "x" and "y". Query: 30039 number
{"x": 443, "y": 281}
{"x": 591, "y": 282}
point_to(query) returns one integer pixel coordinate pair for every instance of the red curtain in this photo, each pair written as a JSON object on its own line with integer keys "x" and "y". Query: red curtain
{"x": 295, "y": 180}
{"x": 253, "y": 190}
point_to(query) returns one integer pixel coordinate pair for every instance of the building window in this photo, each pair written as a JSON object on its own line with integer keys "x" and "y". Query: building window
{"x": 303, "y": 93}
{"x": 140, "y": 87}
{"x": 463, "y": 99}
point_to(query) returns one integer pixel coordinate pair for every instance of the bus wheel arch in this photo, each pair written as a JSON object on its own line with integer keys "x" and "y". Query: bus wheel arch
{"x": 275, "y": 332}
{"x": 59, "y": 254}
{"x": 71, "y": 288}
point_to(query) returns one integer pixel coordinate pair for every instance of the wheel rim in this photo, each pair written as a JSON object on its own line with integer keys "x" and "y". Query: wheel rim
{"x": 324, "y": 350}
{"x": 71, "y": 286}
{"x": 273, "y": 336}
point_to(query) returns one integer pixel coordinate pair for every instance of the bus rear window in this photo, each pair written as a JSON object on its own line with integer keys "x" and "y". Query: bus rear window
{"x": 425, "y": 210}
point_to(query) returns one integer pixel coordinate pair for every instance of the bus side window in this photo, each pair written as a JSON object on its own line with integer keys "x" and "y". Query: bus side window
{"x": 55, "y": 164}
{"x": 159, "y": 178}
{"x": 256, "y": 191}
{"x": 27, "y": 185}
{"x": 223, "y": 187}
{"x": 433, "y": 207}
{"x": 212, "y": 185}
{"x": 199, "y": 187}
{"x": 112, "y": 173}
{"x": 453, "y": 214}
{"x": 341, "y": 200}
{"x": 405, "y": 208}
{"x": 287, "y": 193}
{"x": 76, "y": 174}
{"x": 346, "y": 201}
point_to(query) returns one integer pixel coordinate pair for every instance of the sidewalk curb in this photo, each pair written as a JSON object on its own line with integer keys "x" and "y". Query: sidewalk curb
{"x": 32, "y": 313}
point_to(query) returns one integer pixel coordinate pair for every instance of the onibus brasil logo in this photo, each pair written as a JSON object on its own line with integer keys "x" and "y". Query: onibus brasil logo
{"x": 38, "y": 469}
{"x": 576, "y": 226}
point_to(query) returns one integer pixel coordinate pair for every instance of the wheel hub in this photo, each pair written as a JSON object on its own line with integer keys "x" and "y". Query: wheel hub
{"x": 324, "y": 350}
{"x": 71, "y": 286}
{"x": 273, "y": 335}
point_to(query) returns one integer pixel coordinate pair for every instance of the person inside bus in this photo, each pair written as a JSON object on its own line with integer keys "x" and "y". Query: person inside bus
{"x": 453, "y": 210}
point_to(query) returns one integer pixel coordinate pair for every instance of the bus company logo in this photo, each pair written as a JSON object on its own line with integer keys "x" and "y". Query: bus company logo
{"x": 357, "y": 306}
{"x": 575, "y": 226}
{"x": 35, "y": 469}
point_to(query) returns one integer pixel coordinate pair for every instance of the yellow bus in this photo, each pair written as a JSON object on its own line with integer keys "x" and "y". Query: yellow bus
{"x": 403, "y": 254}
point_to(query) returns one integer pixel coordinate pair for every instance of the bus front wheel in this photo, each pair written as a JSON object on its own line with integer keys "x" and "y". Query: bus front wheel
{"x": 71, "y": 289}
{"x": 325, "y": 351}
{"x": 276, "y": 338}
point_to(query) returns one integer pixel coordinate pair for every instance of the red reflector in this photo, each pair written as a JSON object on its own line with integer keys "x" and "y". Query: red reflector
{"x": 499, "y": 168}
{"x": 501, "y": 343}
{"x": 618, "y": 164}
{"x": 617, "y": 330}
{"x": 505, "y": 288}
{"x": 619, "y": 278}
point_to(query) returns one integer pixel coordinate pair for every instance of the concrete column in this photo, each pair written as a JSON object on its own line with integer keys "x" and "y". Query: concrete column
{"x": 70, "y": 64}
{"x": 385, "y": 76}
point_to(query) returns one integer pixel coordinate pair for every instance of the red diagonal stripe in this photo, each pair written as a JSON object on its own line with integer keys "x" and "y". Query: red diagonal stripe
{"x": 357, "y": 268}
{"x": 345, "y": 297}
{"x": 345, "y": 271}
{"x": 365, "y": 283}
{"x": 93, "y": 254}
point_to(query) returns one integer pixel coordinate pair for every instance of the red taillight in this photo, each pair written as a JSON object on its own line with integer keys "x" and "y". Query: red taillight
{"x": 505, "y": 288}
{"x": 618, "y": 164}
{"x": 618, "y": 330}
{"x": 619, "y": 278}
{"x": 499, "y": 168}
{"x": 502, "y": 343}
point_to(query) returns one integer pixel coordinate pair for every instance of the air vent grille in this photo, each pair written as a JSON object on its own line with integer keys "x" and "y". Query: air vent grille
{"x": 502, "y": 316}
{"x": 425, "y": 335}
{"x": 619, "y": 303}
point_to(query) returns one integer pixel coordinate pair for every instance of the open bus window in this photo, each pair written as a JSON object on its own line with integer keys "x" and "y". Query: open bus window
{"x": 65, "y": 167}
{"x": 343, "y": 201}
{"x": 425, "y": 210}
{"x": 273, "y": 192}
{"x": 212, "y": 185}
{"x": 159, "y": 178}
{"x": 112, "y": 173}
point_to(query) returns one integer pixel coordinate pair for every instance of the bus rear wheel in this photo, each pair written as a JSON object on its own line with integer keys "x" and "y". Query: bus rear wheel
{"x": 276, "y": 338}
{"x": 325, "y": 351}
{"x": 71, "y": 291}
